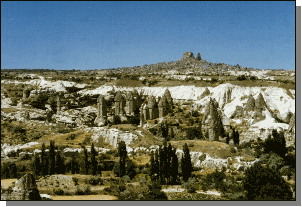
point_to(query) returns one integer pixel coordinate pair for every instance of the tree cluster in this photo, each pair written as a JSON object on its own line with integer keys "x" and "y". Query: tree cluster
{"x": 125, "y": 166}
{"x": 164, "y": 164}
{"x": 54, "y": 162}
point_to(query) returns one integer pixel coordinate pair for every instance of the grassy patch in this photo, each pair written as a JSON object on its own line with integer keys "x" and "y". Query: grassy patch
{"x": 128, "y": 83}
{"x": 192, "y": 196}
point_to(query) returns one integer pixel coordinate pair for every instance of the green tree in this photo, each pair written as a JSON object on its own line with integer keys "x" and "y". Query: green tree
{"x": 74, "y": 165}
{"x": 122, "y": 151}
{"x": 13, "y": 170}
{"x": 86, "y": 162}
{"x": 174, "y": 167}
{"x": 164, "y": 129}
{"x": 94, "y": 162}
{"x": 186, "y": 165}
{"x": 52, "y": 159}
{"x": 156, "y": 165}
{"x": 36, "y": 163}
{"x": 116, "y": 120}
{"x": 130, "y": 168}
{"x": 227, "y": 140}
{"x": 276, "y": 144}
{"x": 265, "y": 184}
{"x": 152, "y": 166}
{"x": 193, "y": 133}
{"x": 172, "y": 135}
{"x": 60, "y": 166}
{"x": 44, "y": 160}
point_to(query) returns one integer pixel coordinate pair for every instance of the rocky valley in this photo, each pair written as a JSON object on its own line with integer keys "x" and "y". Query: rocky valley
{"x": 186, "y": 129}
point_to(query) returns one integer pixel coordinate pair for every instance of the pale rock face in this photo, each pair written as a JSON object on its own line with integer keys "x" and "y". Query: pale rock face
{"x": 7, "y": 148}
{"x": 112, "y": 136}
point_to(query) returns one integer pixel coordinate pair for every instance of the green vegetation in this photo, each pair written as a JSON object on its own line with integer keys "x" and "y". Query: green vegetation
{"x": 265, "y": 184}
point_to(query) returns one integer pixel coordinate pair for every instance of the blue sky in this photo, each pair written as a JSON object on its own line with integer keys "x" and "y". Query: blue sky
{"x": 101, "y": 35}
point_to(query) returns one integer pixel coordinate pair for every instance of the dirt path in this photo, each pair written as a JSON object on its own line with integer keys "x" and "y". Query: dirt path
{"x": 85, "y": 197}
{"x": 7, "y": 182}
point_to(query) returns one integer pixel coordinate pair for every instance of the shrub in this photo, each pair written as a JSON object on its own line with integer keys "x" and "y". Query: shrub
{"x": 116, "y": 120}
{"x": 153, "y": 131}
{"x": 134, "y": 120}
{"x": 215, "y": 180}
{"x": 14, "y": 102}
{"x": 193, "y": 133}
{"x": 285, "y": 170}
{"x": 214, "y": 80}
{"x": 75, "y": 180}
{"x": 58, "y": 191}
{"x": 195, "y": 113}
{"x": 241, "y": 78}
{"x": 190, "y": 185}
{"x": 95, "y": 180}
{"x": 37, "y": 135}
{"x": 272, "y": 160}
{"x": 253, "y": 78}
{"x": 233, "y": 150}
{"x": 71, "y": 137}
{"x": 265, "y": 184}
{"x": 83, "y": 191}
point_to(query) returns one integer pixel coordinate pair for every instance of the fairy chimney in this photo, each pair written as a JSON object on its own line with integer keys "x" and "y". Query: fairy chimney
{"x": 151, "y": 107}
{"x": 58, "y": 104}
{"x": 162, "y": 106}
{"x": 250, "y": 104}
{"x": 215, "y": 124}
{"x": 292, "y": 124}
{"x": 187, "y": 55}
{"x": 101, "y": 118}
{"x": 119, "y": 104}
{"x": 260, "y": 103}
{"x": 129, "y": 103}
{"x": 26, "y": 93}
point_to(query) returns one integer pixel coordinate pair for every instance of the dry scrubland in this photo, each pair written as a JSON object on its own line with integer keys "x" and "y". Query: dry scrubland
{"x": 251, "y": 114}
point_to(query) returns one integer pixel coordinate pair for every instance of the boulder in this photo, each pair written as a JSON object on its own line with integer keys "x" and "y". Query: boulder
{"x": 25, "y": 189}
{"x": 45, "y": 197}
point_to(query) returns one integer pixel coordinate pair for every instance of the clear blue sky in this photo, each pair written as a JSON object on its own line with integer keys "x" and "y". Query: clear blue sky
{"x": 101, "y": 35}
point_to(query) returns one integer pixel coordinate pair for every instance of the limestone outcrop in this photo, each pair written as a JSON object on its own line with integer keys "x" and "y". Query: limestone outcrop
{"x": 25, "y": 189}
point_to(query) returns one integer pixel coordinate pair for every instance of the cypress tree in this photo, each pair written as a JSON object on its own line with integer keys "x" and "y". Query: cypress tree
{"x": 74, "y": 165}
{"x": 86, "y": 163}
{"x": 227, "y": 138}
{"x": 169, "y": 159}
{"x": 13, "y": 171}
{"x": 156, "y": 165}
{"x": 122, "y": 151}
{"x": 161, "y": 164}
{"x": 60, "y": 166}
{"x": 164, "y": 129}
{"x": 174, "y": 167}
{"x": 52, "y": 159}
{"x": 166, "y": 169}
{"x": 94, "y": 162}
{"x": 236, "y": 137}
{"x": 37, "y": 165}
{"x": 276, "y": 143}
{"x": 172, "y": 135}
{"x": 44, "y": 160}
{"x": 152, "y": 166}
{"x": 186, "y": 163}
